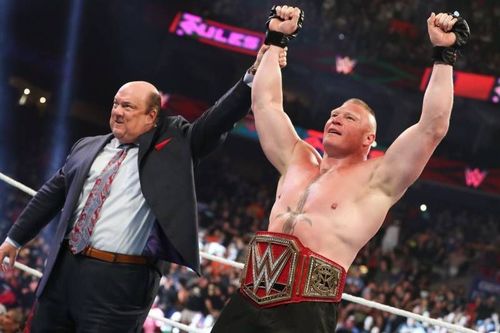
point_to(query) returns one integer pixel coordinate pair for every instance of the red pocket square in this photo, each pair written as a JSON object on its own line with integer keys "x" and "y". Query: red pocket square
{"x": 159, "y": 146}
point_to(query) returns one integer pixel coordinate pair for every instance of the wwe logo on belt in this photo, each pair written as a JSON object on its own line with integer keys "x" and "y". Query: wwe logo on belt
{"x": 265, "y": 269}
{"x": 269, "y": 270}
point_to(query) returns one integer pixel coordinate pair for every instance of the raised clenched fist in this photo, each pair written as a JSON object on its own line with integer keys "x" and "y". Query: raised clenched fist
{"x": 439, "y": 27}
{"x": 287, "y": 21}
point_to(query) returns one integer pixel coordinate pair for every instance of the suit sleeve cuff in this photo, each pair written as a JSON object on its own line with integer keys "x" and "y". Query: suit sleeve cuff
{"x": 13, "y": 242}
{"x": 248, "y": 79}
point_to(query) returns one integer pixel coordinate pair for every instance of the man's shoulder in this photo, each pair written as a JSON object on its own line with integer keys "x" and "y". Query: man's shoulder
{"x": 172, "y": 122}
{"x": 91, "y": 140}
{"x": 95, "y": 138}
{"x": 366, "y": 166}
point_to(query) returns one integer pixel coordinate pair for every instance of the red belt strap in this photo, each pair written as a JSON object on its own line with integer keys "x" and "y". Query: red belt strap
{"x": 280, "y": 270}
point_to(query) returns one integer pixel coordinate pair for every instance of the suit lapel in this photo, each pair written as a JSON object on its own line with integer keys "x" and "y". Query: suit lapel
{"x": 147, "y": 140}
{"x": 91, "y": 154}
{"x": 84, "y": 168}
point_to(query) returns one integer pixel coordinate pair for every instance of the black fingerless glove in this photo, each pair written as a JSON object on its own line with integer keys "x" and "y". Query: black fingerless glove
{"x": 278, "y": 38}
{"x": 448, "y": 55}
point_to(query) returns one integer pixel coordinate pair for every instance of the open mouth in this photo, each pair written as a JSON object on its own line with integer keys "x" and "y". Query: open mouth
{"x": 334, "y": 131}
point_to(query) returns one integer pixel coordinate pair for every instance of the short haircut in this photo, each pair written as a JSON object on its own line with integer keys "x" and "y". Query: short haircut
{"x": 154, "y": 102}
{"x": 366, "y": 107}
{"x": 362, "y": 104}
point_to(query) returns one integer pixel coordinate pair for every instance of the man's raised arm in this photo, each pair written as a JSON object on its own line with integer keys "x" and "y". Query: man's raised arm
{"x": 406, "y": 158}
{"x": 277, "y": 135}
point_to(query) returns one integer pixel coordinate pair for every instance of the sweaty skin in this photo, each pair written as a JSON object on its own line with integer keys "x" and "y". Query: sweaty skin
{"x": 335, "y": 203}
{"x": 331, "y": 212}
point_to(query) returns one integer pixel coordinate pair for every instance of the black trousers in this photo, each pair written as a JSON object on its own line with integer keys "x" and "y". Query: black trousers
{"x": 89, "y": 295}
{"x": 242, "y": 316}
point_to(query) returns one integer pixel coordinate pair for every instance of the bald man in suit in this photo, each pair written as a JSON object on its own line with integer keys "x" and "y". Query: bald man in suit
{"x": 128, "y": 206}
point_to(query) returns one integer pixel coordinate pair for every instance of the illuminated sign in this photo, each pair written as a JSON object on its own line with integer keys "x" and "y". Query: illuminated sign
{"x": 495, "y": 94}
{"x": 344, "y": 65}
{"x": 217, "y": 34}
{"x": 474, "y": 177}
{"x": 314, "y": 138}
{"x": 468, "y": 85}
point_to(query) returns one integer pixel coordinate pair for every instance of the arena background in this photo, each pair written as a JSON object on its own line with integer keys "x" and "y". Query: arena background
{"x": 438, "y": 251}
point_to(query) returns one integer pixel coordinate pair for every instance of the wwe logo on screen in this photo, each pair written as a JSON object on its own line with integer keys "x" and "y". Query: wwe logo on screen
{"x": 474, "y": 177}
{"x": 344, "y": 65}
{"x": 217, "y": 34}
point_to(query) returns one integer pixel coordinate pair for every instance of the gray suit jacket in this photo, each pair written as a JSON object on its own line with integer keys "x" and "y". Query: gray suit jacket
{"x": 167, "y": 157}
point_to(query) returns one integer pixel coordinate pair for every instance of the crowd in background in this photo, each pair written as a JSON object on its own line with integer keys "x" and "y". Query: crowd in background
{"x": 424, "y": 262}
{"x": 382, "y": 30}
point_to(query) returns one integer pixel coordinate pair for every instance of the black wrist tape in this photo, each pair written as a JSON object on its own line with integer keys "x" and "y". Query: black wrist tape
{"x": 278, "y": 38}
{"x": 448, "y": 55}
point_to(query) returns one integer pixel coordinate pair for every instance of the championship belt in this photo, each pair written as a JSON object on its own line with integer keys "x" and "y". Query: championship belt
{"x": 280, "y": 270}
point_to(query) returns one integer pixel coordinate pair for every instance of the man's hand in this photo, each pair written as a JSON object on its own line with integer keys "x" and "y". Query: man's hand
{"x": 7, "y": 250}
{"x": 439, "y": 27}
{"x": 448, "y": 34}
{"x": 287, "y": 23}
{"x": 260, "y": 54}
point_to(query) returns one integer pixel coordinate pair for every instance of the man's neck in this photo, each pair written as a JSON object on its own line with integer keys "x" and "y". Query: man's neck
{"x": 335, "y": 163}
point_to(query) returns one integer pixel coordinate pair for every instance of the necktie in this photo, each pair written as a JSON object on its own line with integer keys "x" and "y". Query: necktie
{"x": 82, "y": 230}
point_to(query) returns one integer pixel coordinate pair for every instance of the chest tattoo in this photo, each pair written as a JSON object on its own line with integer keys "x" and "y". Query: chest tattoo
{"x": 294, "y": 216}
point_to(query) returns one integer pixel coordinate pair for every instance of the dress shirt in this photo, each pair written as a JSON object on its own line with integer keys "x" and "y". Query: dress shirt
{"x": 125, "y": 203}
{"x": 126, "y": 219}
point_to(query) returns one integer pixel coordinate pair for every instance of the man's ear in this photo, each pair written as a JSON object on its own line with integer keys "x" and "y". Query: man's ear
{"x": 369, "y": 139}
{"x": 152, "y": 116}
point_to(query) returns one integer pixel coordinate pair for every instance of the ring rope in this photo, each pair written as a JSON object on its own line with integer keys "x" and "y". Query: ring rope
{"x": 222, "y": 260}
{"x": 345, "y": 296}
{"x": 17, "y": 184}
{"x": 183, "y": 327}
{"x": 25, "y": 268}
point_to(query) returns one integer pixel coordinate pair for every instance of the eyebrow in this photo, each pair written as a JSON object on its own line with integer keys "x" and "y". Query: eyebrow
{"x": 345, "y": 112}
{"x": 128, "y": 103}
